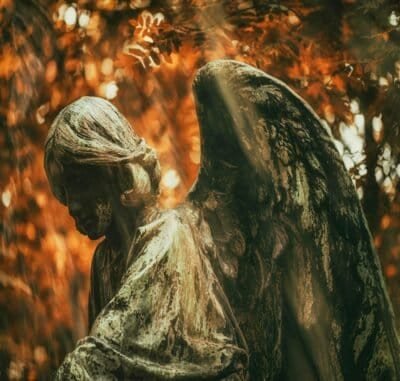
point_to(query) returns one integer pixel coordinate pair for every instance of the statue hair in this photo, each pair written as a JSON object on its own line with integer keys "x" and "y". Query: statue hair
{"x": 91, "y": 131}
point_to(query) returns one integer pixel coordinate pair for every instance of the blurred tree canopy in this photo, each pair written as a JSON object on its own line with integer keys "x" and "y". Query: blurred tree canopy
{"x": 342, "y": 56}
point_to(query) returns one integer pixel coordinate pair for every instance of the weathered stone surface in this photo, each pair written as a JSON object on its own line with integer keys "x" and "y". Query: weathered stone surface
{"x": 309, "y": 294}
{"x": 265, "y": 272}
{"x": 168, "y": 320}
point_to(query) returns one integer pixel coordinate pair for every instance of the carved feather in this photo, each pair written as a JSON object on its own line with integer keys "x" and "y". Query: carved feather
{"x": 292, "y": 243}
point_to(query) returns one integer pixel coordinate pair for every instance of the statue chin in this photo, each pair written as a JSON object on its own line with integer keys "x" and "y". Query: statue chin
{"x": 95, "y": 225}
{"x": 94, "y": 236}
{"x": 91, "y": 232}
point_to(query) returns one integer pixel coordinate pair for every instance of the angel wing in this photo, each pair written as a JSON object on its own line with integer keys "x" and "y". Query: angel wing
{"x": 291, "y": 244}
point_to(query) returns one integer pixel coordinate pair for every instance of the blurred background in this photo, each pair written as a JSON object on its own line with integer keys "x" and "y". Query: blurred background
{"x": 342, "y": 56}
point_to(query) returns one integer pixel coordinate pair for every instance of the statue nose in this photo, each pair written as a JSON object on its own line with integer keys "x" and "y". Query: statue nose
{"x": 75, "y": 208}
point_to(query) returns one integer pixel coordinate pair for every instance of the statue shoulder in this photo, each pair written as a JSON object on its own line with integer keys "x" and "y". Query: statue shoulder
{"x": 157, "y": 236}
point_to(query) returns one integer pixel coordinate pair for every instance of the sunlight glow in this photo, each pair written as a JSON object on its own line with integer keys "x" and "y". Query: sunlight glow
{"x": 360, "y": 193}
{"x": 354, "y": 106}
{"x": 137, "y": 4}
{"x": 377, "y": 124}
{"x": 351, "y": 137}
{"x": 6, "y": 198}
{"x": 109, "y": 90}
{"x": 378, "y": 174}
{"x": 394, "y": 19}
{"x": 339, "y": 146}
{"x": 363, "y": 170}
{"x": 383, "y": 82}
{"x": 386, "y": 167}
{"x": 348, "y": 162}
{"x": 70, "y": 16}
{"x": 359, "y": 121}
{"x": 84, "y": 19}
{"x": 107, "y": 66}
{"x": 60, "y": 12}
{"x": 387, "y": 152}
{"x": 171, "y": 179}
{"x": 388, "y": 186}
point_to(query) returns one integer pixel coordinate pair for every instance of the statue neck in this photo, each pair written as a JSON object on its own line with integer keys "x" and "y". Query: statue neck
{"x": 125, "y": 223}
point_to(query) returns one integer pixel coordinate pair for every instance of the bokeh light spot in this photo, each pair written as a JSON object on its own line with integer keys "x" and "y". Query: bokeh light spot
{"x": 70, "y": 16}
{"x": 6, "y": 198}
{"x": 84, "y": 19}
{"x": 171, "y": 179}
{"x": 109, "y": 90}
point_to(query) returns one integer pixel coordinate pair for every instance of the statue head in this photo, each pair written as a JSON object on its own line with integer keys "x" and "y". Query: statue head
{"x": 96, "y": 164}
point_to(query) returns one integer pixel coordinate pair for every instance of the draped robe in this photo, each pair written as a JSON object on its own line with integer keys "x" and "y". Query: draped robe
{"x": 169, "y": 317}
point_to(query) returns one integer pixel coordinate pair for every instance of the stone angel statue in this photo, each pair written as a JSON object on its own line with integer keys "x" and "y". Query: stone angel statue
{"x": 265, "y": 272}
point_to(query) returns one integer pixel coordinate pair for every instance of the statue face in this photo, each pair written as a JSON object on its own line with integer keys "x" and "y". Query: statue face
{"x": 89, "y": 199}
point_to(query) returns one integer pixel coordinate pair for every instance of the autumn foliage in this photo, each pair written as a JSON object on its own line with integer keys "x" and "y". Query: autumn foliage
{"x": 343, "y": 57}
